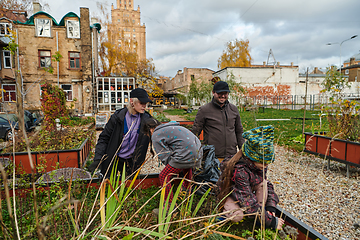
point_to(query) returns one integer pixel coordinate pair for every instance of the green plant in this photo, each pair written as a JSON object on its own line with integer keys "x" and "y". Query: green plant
{"x": 53, "y": 104}
{"x": 160, "y": 117}
{"x": 342, "y": 114}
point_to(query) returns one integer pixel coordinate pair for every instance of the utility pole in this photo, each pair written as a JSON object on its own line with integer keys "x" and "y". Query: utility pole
{"x": 306, "y": 85}
{"x": 19, "y": 90}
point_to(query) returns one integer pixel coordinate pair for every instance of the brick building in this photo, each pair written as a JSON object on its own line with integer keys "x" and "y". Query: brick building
{"x": 182, "y": 80}
{"x": 352, "y": 69}
{"x": 39, "y": 38}
{"x": 125, "y": 20}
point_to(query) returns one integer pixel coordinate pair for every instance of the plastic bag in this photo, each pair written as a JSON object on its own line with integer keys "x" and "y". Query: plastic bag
{"x": 209, "y": 172}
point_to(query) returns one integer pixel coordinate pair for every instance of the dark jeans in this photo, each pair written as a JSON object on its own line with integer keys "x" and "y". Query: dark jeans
{"x": 129, "y": 165}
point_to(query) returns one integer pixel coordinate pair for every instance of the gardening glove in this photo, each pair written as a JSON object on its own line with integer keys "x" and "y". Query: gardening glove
{"x": 94, "y": 165}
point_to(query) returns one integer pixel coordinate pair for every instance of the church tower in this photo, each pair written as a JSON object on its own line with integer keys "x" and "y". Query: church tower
{"x": 126, "y": 20}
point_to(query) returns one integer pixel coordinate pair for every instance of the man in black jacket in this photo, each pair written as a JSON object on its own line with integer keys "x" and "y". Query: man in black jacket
{"x": 123, "y": 139}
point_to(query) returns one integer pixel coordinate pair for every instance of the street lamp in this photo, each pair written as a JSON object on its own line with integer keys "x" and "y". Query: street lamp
{"x": 340, "y": 47}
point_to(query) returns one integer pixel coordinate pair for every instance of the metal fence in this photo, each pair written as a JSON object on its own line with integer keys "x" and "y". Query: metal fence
{"x": 293, "y": 102}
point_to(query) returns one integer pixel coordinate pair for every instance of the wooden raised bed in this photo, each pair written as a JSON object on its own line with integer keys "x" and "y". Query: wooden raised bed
{"x": 343, "y": 151}
{"x": 50, "y": 160}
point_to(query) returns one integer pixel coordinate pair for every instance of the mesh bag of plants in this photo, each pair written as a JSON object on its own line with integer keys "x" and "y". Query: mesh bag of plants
{"x": 209, "y": 171}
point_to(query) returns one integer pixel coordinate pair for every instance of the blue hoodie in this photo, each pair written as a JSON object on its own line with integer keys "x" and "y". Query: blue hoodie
{"x": 177, "y": 146}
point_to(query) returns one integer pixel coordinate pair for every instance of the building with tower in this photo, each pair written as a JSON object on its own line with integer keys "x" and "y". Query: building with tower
{"x": 126, "y": 20}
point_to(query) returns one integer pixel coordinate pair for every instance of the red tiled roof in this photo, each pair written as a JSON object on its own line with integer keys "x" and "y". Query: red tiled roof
{"x": 14, "y": 15}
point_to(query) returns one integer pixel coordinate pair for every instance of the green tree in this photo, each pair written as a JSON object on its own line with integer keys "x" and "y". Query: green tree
{"x": 237, "y": 92}
{"x": 199, "y": 92}
{"x": 236, "y": 54}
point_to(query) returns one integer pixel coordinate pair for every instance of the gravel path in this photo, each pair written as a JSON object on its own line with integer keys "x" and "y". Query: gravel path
{"x": 326, "y": 200}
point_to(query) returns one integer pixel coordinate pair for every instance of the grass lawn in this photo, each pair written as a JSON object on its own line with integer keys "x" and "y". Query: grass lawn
{"x": 286, "y": 132}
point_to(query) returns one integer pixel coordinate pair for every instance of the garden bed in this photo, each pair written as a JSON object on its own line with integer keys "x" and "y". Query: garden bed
{"x": 50, "y": 160}
{"x": 339, "y": 150}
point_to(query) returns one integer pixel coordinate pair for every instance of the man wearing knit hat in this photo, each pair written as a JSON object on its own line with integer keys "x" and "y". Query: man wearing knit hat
{"x": 221, "y": 123}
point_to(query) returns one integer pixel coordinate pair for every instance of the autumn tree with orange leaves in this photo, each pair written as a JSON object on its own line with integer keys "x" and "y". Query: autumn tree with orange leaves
{"x": 236, "y": 54}
{"x": 118, "y": 57}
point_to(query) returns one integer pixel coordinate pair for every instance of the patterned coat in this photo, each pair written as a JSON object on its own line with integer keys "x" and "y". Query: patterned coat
{"x": 246, "y": 177}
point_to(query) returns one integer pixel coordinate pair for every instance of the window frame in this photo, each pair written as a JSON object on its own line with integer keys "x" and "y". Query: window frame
{"x": 8, "y": 92}
{"x": 37, "y": 24}
{"x": 76, "y": 67}
{"x": 6, "y": 57}
{"x": 40, "y": 57}
{"x": 6, "y": 28}
{"x": 67, "y": 92}
{"x": 78, "y": 28}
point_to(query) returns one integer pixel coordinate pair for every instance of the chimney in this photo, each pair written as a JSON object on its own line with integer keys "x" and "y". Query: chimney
{"x": 278, "y": 63}
{"x": 264, "y": 64}
{"x": 352, "y": 61}
{"x": 315, "y": 70}
{"x": 292, "y": 64}
{"x": 178, "y": 72}
{"x": 37, "y": 7}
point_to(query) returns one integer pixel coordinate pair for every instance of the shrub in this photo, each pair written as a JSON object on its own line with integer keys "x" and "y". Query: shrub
{"x": 53, "y": 104}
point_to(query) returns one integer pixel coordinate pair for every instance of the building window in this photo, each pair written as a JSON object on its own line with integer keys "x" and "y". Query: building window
{"x": 68, "y": 90}
{"x": 44, "y": 58}
{"x": 134, "y": 35}
{"x": 74, "y": 60}
{"x": 133, "y": 21}
{"x": 118, "y": 20}
{"x": 73, "y": 29}
{"x": 9, "y": 93}
{"x": 347, "y": 71}
{"x": 7, "y": 59}
{"x": 134, "y": 30}
{"x": 5, "y": 29}
{"x": 43, "y": 27}
{"x": 192, "y": 77}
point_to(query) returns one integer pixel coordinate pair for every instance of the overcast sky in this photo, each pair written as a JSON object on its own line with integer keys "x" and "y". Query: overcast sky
{"x": 193, "y": 33}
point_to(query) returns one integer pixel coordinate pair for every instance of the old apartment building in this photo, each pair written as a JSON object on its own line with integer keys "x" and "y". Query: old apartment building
{"x": 7, "y": 78}
{"x": 125, "y": 20}
{"x": 40, "y": 39}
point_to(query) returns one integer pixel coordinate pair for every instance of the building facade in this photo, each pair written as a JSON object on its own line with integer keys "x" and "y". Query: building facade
{"x": 41, "y": 40}
{"x": 126, "y": 22}
{"x": 182, "y": 80}
{"x": 263, "y": 80}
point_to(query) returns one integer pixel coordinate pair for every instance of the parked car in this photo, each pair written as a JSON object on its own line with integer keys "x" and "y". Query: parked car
{"x": 6, "y": 119}
{"x": 5, "y": 128}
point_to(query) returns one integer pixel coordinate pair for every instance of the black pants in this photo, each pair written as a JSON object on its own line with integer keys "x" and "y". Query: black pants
{"x": 129, "y": 165}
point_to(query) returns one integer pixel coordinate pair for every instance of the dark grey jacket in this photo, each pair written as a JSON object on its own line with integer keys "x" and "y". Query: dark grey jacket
{"x": 177, "y": 146}
{"x": 222, "y": 127}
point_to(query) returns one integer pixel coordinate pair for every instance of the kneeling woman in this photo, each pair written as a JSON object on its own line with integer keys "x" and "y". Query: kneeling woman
{"x": 178, "y": 149}
{"x": 244, "y": 175}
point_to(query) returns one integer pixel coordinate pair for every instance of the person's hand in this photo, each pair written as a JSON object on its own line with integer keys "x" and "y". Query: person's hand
{"x": 92, "y": 167}
{"x": 271, "y": 214}
{"x": 280, "y": 223}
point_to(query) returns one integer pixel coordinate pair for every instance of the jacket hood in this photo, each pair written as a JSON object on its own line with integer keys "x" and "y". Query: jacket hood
{"x": 169, "y": 124}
